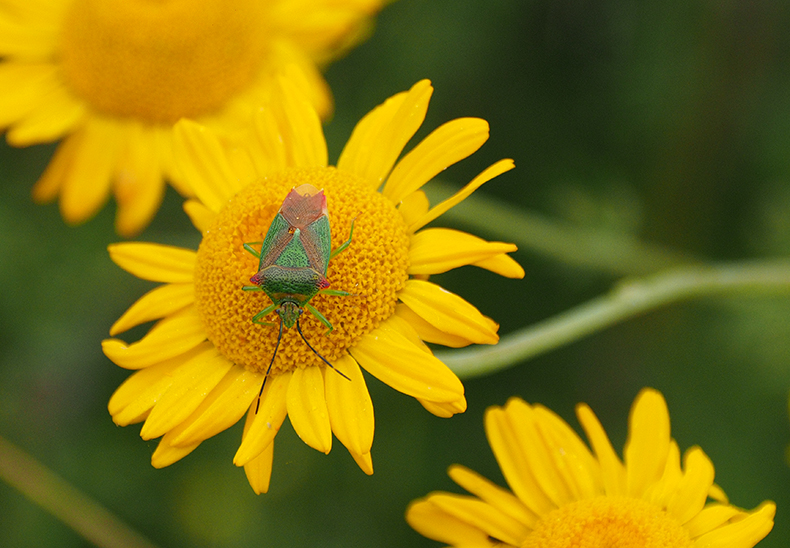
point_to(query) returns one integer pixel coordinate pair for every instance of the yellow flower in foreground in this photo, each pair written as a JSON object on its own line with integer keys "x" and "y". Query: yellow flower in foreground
{"x": 565, "y": 495}
{"x": 113, "y": 76}
{"x": 202, "y": 366}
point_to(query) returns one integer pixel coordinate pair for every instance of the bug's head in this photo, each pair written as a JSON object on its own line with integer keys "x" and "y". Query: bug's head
{"x": 289, "y": 312}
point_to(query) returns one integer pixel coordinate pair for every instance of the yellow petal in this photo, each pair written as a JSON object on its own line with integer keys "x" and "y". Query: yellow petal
{"x": 200, "y": 159}
{"x": 433, "y": 522}
{"x": 307, "y": 411}
{"x": 159, "y": 302}
{"x": 427, "y": 331}
{"x": 167, "y": 339}
{"x": 444, "y": 410}
{"x": 57, "y": 114}
{"x": 155, "y": 262}
{"x": 612, "y": 470}
{"x": 689, "y": 498}
{"x": 299, "y": 127}
{"x": 26, "y": 38}
{"x": 504, "y": 265}
{"x": 24, "y": 86}
{"x": 221, "y": 408}
{"x": 325, "y": 24}
{"x": 501, "y": 499}
{"x": 86, "y": 185}
{"x": 513, "y": 462}
{"x": 483, "y": 516}
{"x": 743, "y": 533}
{"x": 200, "y": 215}
{"x": 489, "y": 173}
{"x": 138, "y": 393}
{"x": 259, "y": 470}
{"x": 528, "y": 434}
{"x": 446, "y": 145}
{"x": 571, "y": 457}
{"x": 711, "y": 517}
{"x": 717, "y": 493}
{"x": 166, "y": 454}
{"x": 267, "y": 421}
{"x": 349, "y": 405}
{"x": 379, "y": 138}
{"x": 437, "y": 250}
{"x": 192, "y": 382}
{"x": 300, "y": 66}
{"x": 364, "y": 461}
{"x": 662, "y": 491}
{"x": 414, "y": 206}
{"x": 648, "y": 441}
{"x": 388, "y": 355}
{"x": 448, "y": 312}
{"x": 139, "y": 187}
{"x": 49, "y": 184}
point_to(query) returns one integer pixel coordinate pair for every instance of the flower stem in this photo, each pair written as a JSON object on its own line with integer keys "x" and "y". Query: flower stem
{"x": 596, "y": 249}
{"x": 88, "y": 518}
{"x": 627, "y": 299}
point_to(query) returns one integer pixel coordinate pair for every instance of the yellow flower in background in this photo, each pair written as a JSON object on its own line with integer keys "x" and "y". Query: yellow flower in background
{"x": 564, "y": 495}
{"x": 202, "y": 365}
{"x": 111, "y": 77}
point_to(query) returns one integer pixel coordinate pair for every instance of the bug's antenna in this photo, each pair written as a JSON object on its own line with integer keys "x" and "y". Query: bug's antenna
{"x": 276, "y": 346}
{"x": 299, "y": 328}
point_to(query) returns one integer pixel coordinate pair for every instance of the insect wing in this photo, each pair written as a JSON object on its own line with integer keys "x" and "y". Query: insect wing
{"x": 279, "y": 235}
{"x": 303, "y": 206}
{"x": 317, "y": 243}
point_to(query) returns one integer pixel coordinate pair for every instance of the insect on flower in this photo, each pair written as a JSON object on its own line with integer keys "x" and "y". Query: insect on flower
{"x": 294, "y": 258}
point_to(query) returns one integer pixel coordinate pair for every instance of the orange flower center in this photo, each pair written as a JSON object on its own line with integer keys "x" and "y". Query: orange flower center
{"x": 608, "y": 522}
{"x": 161, "y": 60}
{"x": 372, "y": 268}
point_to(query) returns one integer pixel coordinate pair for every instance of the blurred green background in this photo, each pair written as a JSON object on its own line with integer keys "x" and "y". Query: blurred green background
{"x": 667, "y": 121}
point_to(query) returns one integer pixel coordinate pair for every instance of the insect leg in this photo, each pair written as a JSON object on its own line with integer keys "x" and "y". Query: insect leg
{"x": 262, "y": 314}
{"x": 333, "y": 292}
{"x": 248, "y": 248}
{"x": 345, "y": 244}
{"x": 269, "y": 369}
{"x": 252, "y": 288}
{"x": 299, "y": 329}
{"x": 314, "y": 311}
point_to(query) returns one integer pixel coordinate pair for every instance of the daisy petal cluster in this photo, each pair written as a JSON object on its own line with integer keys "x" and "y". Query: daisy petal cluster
{"x": 111, "y": 77}
{"x": 566, "y": 495}
{"x": 201, "y": 366}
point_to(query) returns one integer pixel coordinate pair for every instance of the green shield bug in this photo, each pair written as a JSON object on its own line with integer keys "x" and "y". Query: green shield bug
{"x": 294, "y": 258}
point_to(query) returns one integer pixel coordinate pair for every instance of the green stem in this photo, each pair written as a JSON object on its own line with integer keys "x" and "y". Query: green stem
{"x": 596, "y": 249}
{"x": 87, "y": 517}
{"x": 628, "y": 299}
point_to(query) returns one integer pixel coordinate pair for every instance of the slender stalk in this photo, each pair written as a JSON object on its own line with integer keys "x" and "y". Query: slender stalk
{"x": 628, "y": 299}
{"x": 595, "y": 249}
{"x": 88, "y": 518}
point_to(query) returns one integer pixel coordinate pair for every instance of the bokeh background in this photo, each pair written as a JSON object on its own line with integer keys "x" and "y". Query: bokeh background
{"x": 667, "y": 121}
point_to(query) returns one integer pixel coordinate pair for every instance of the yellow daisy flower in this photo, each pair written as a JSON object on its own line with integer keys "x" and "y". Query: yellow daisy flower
{"x": 203, "y": 364}
{"x": 113, "y": 76}
{"x": 565, "y": 495}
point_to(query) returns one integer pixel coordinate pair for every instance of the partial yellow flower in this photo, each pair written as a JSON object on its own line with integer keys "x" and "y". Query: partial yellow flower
{"x": 113, "y": 76}
{"x": 564, "y": 495}
{"x": 202, "y": 365}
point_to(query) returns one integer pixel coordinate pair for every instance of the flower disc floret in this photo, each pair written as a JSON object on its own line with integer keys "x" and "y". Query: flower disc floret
{"x": 160, "y": 61}
{"x": 608, "y": 521}
{"x": 373, "y": 268}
